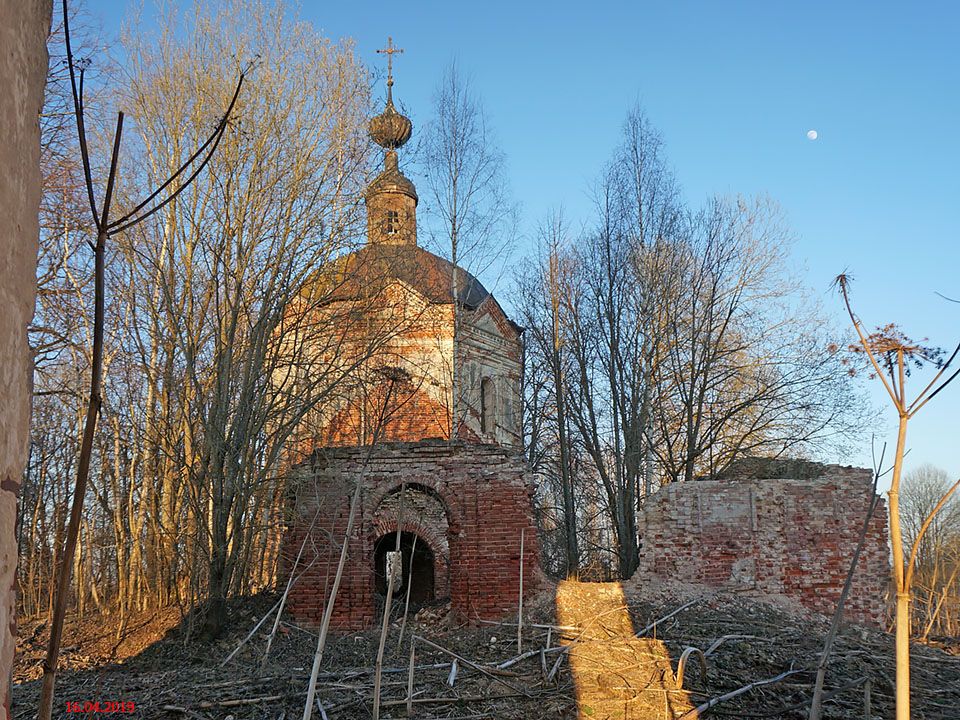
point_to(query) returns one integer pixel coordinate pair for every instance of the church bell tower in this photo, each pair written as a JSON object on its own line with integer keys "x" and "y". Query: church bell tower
{"x": 391, "y": 198}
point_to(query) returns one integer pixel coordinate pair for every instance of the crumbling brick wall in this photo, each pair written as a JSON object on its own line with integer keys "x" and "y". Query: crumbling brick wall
{"x": 484, "y": 491}
{"x": 779, "y": 535}
{"x": 23, "y": 65}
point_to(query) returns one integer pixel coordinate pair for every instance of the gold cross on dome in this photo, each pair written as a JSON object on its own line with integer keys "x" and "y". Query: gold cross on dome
{"x": 390, "y": 51}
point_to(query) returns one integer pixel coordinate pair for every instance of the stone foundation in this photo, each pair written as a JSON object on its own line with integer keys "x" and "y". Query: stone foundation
{"x": 785, "y": 536}
{"x": 467, "y": 503}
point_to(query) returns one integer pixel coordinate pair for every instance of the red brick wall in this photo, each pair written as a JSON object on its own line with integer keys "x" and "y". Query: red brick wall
{"x": 780, "y": 536}
{"x": 485, "y": 491}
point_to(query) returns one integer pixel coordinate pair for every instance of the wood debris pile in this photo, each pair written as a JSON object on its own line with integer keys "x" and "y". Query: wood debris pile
{"x": 477, "y": 671}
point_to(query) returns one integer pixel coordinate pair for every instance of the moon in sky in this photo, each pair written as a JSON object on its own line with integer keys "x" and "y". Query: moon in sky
{"x": 812, "y": 134}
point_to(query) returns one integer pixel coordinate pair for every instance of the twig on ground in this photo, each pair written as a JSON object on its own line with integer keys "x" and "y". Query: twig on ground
{"x": 704, "y": 707}
{"x": 479, "y": 668}
{"x": 656, "y": 622}
{"x": 682, "y": 664}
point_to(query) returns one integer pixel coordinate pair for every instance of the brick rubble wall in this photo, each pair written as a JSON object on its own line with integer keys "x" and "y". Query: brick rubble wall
{"x": 23, "y": 66}
{"x": 485, "y": 491}
{"x": 780, "y": 536}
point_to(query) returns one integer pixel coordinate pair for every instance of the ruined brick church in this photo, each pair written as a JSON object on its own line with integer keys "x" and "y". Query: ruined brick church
{"x": 431, "y": 429}
{"x": 427, "y": 424}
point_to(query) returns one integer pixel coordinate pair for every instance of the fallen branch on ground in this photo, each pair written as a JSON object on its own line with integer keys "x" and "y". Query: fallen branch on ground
{"x": 656, "y": 622}
{"x": 700, "y": 709}
{"x": 479, "y": 668}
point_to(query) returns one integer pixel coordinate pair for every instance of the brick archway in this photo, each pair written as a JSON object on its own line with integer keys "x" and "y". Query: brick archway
{"x": 426, "y": 514}
{"x": 435, "y": 487}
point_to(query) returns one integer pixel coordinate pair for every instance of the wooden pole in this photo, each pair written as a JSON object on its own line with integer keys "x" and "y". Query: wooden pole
{"x": 406, "y": 605}
{"x": 413, "y": 652}
{"x": 520, "y": 601}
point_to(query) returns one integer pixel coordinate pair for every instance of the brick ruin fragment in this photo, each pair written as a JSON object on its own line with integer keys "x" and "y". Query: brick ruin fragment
{"x": 465, "y": 503}
{"x": 787, "y": 528}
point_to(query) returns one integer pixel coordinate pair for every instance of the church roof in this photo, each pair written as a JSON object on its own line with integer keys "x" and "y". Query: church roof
{"x": 391, "y": 180}
{"x": 377, "y": 264}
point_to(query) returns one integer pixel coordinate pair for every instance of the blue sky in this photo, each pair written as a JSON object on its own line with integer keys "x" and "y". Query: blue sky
{"x": 733, "y": 88}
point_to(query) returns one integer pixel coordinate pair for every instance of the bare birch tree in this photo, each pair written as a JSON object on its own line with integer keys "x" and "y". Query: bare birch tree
{"x": 470, "y": 216}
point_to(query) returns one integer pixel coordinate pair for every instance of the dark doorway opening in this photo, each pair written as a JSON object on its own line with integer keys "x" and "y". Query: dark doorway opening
{"x": 419, "y": 559}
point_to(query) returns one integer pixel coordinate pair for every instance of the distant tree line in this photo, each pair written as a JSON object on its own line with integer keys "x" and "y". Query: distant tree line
{"x": 936, "y": 584}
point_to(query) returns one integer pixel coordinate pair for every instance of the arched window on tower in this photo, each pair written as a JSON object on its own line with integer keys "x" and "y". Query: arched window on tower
{"x": 488, "y": 404}
{"x": 391, "y": 224}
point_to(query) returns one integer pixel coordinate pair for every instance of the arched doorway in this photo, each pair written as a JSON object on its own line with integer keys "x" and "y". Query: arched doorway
{"x": 418, "y": 567}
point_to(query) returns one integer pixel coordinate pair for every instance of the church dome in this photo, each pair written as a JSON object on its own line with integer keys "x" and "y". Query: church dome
{"x": 390, "y": 129}
{"x": 378, "y": 265}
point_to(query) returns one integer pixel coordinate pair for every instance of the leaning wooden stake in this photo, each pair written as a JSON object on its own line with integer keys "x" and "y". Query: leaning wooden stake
{"x": 378, "y": 667}
{"x": 341, "y": 563}
{"x": 390, "y": 568}
{"x": 413, "y": 653}
{"x": 817, "y": 701}
{"x": 332, "y": 597}
{"x": 406, "y": 604}
{"x": 286, "y": 591}
{"x": 520, "y": 601}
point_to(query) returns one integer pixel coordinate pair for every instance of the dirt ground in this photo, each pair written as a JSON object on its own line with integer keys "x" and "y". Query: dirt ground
{"x": 592, "y": 665}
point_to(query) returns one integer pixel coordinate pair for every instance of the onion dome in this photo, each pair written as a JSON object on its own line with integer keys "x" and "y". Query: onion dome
{"x": 390, "y": 129}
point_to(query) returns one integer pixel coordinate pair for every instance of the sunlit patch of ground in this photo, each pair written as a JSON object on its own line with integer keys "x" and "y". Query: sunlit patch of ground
{"x": 616, "y": 675}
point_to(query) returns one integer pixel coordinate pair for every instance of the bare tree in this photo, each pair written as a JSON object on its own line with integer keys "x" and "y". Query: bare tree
{"x": 937, "y": 579}
{"x": 615, "y": 307}
{"x": 209, "y": 307}
{"x": 470, "y": 217}
{"x": 226, "y": 284}
{"x": 750, "y": 368}
{"x": 893, "y": 357}
{"x": 542, "y": 299}
{"x": 685, "y": 343}
{"x": 106, "y": 226}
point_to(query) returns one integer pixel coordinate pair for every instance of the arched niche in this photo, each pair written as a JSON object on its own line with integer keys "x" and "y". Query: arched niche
{"x": 488, "y": 406}
{"x": 418, "y": 511}
{"x": 418, "y": 571}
